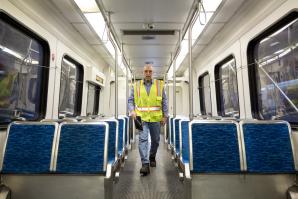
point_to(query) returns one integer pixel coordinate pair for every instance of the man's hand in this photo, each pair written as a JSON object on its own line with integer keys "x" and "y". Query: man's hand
{"x": 163, "y": 121}
{"x": 133, "y": 114}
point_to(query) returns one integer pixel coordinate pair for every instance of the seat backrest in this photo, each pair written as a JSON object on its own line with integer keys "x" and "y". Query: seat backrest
{"x": 177, "y": 135}
{"x": 215, "y": 147}
{"x": 184, "y": 141}
{"x": 267, "y": 146}
{"x": 126, "y": 131}
{"x": 82, "y": 148}
{"x": 113, "y": 139}
{"x": 167, "y": 133}
{"x": 29, "y": 148}
{"x": 121, "y": 133}
{"x": 130, "y": 130}
{"x": 171, "y": 131}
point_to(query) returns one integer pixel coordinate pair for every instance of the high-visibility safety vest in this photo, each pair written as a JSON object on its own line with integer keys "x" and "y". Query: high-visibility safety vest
{"x": 149, "y": 107}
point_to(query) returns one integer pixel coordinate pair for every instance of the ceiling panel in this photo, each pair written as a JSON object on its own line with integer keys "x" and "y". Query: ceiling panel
{"x": 135, "y": 15}
{"x": 87, "y": 33}
{"x": 148, "y": 11}
{"x": 69, "y": 10}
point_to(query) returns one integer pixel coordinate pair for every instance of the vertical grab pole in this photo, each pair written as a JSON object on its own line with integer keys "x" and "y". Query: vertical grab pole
{"x": 190, "y": 73}
{"x": 116, "y": 65}
{"x": 116, "y": 83}
{"x": 126, "y": 78}
{"x": 134, "y": 131}
{"x": 174, "y": 89}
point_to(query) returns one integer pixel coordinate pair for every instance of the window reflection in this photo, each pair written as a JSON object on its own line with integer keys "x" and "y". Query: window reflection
{"x": 93, "y": 99}
{"x": 70, "y": 83}
{"x": 21, "y": 74}
{"x": 205, "y": 94}
{"x": 277, "y": 73}
{"x": 226, "y": 85}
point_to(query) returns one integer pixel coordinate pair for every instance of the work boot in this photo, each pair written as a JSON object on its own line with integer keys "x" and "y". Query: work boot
{"x": 152, "y": 161}
{"x": 145, "y": 169}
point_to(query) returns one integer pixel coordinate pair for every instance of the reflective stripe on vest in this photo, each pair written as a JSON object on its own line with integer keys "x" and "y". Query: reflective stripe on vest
{"x": 152, "y": 108}
{"x": 138, "y": 85}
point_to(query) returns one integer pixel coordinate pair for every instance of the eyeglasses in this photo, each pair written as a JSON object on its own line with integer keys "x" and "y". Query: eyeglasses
{"x": 147, "y": 71}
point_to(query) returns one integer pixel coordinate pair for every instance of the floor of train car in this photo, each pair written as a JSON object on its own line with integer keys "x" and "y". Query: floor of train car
{"x": 162, "y": 183}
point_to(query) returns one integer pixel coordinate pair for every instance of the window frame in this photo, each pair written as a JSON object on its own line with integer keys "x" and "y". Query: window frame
{"x": 44, "y": 78}
{"x": 96, "y": 100}
{"x": 284, "y": 20}
{"x": 201, "y": 93}
{"x": 79, "y": 87}
{"x": 217, "y": 84}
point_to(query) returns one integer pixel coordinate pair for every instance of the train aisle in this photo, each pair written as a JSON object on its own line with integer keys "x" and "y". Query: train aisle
{"x": 162, "y": 183}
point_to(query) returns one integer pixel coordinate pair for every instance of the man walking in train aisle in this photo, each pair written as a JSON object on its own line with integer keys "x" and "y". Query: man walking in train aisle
{"x": 149, "y": 101}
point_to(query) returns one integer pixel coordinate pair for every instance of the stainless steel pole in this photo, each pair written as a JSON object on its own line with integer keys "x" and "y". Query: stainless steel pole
{"x": 190, "y": 73}
{"x": 174, "y": 88}
{"x": 116, "y": 83}
{"x": 126, "y": 78}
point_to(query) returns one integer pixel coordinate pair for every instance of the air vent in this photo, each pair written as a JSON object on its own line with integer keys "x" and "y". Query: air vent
{"x": 149, "y": 62}
{"x": 148, "y": 37}
{"x": 148, "y": 32}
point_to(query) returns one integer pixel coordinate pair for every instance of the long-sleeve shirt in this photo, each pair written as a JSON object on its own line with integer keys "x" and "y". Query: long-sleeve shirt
{"x": 164, "y": 102}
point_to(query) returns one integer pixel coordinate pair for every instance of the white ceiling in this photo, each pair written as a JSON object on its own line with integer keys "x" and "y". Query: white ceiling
{"x": 133, "y": 14}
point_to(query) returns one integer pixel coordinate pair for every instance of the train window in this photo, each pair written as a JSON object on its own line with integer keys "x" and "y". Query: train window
{"x": 24, "y": 66}
{"x": 205, "y": 94}
{"x": 71, "y": 87}
{"x": 273, "y": 71}
{"x": 226, "y": 88}
{"x": 93, "y": 99}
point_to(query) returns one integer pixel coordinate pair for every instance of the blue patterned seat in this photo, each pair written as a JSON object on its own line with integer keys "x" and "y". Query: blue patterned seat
{"x": 215, "y": 147}
{"x": 29, "y": 147}
{"x": 113, "y": 137}
{"x": 171, "y": 131}
{"x": 82, "y": 148}
{"x": 268, "y": 147}
{"x": 177, "y": 136}
{"x": 184, "y": 140}
{"x": 121, "y": 133}
{"x": 126, "y": 132}
{"x": 167, "y": 133}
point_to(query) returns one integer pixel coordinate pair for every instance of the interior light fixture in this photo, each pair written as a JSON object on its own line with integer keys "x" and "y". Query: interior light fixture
{"x": 87, "y": 5}
{"x": 95, "y": 18}
{"x": 97, "y": 22}
{"x": 211, "y": 6}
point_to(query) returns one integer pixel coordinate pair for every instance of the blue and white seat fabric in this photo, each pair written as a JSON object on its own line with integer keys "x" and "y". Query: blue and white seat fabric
{"x": 113, "y": 139}
{"x": 267, "y": 146}
{"x": 126, "y": 131}
{"x": 184, "y": 141}
{"x": 29, "y": 148}
{"x": 214, "y": 147}
{"x": 121, "y": 135}
{"x": 171, "y": 131}
{"x": 82, "y": 148}
{"x": 176, "y": 136}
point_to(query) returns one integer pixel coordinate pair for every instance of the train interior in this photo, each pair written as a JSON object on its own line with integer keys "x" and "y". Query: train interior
{"x": 230, "y": 74}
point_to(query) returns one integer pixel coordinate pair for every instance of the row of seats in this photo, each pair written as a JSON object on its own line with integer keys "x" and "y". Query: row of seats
{"x": 234, "y": 159}
{"x": 225, "y": 146}
{"x": 90, "y": 147}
